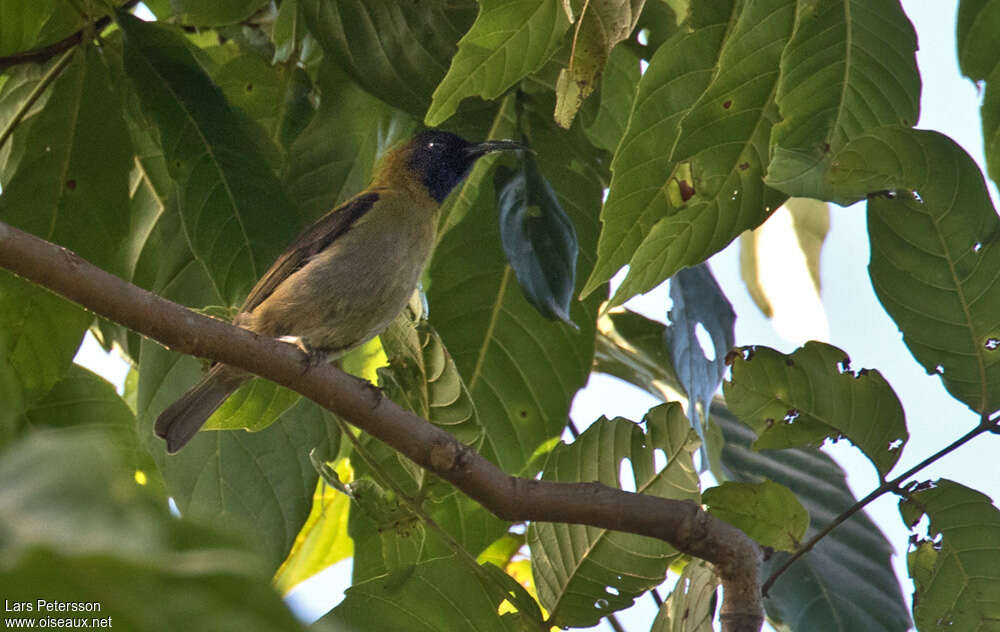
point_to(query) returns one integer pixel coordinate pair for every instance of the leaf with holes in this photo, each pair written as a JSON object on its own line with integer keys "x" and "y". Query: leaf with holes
{"x": 698, "y": 301}
{"x": 584, "y": 573}
{"x": 956, "y": 563}
{"x": 768, "y": 512}
{"x": 935, "y": 254}
{"x": 805, "y": 397}
{"x": 850, "y": 67}
{"x": 687, "y": 175}
{"x": 507, "y": 42}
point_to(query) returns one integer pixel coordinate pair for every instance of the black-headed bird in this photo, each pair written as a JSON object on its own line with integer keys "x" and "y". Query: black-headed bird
{"x": 345, "y": 278}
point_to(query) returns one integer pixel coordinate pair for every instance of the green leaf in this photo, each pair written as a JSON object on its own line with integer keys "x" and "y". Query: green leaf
{"x": 850, "y": 67}
{"x": 30, "y": 24}
{"x": 288, "y": 31}
{"x": 768, "y": 512}
{"x": 259, "y": 483}
{"x": 979, "y": 59}
{"x": 538, "y": 239}
{"x": 521, "y": 369}
{"x": 687, "y": 174}
{"x": 332, "y": 159}
{"x": 691, "y": 605}
{"x": 440, "y": 594}
{"x": 85, "y": 531}
{"x": 422, "y": 377}
{"x": 71, "y": 183}
{"x": 599, "y": 27}
{"x": 254, "y": 406}
{"x": 584, "y": 573}
{"x": 42, "y": 333}
{"x": 956, "y": 564}
{"x": 802, "y": 398}
{"x": 618, "y": 83}
{"x": 846, "y": 583}
{"x": 507, "y": 42}
{"x": 216, "y": 13}
{"x": 397, "y": 51}
{"x": 935, "y": 254}
{"x": 236, "y": 216}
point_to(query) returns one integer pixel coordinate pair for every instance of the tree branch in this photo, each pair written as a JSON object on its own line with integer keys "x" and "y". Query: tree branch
{"x": 682, "y": 524}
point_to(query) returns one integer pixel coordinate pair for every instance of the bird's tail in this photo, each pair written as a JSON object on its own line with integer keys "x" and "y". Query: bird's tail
{"x": 182, "y": 419}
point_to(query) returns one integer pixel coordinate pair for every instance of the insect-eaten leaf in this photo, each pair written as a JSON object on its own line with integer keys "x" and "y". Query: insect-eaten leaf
{"x": 538, "y": 239}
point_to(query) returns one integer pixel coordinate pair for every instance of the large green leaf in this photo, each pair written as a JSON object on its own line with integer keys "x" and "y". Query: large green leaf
{"x": 767, "y": 512}
{"x": 522, "y": 369}
{"x": 29, "y": 24}
{"x": 71, "y": 183}
{"x": 584, "y": 573}
{"x": 687, "y": 174}
{"x": 507, "y": 42}
{"x": 849, "y": 67}
{"x": 398, "y": 51}
{"x": 78, "y": 528}
{"x": 236, "y": 216}
{"x": 807, "y": 396}
{"x": 955, "y": 564}
{"x": 215, "y": 13}
{"x": 935, "y": 256}
{"x": 846, "y": 582}
{"x": 440, "y": 594}
{"x": 979, "y": 58}
{"x": 332, "y": 159}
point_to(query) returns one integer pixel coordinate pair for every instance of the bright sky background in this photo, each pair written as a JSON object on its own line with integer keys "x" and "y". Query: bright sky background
{"x": 857, "y": 324}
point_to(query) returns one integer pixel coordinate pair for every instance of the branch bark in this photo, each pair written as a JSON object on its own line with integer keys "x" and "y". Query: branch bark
{"x": 682, "y": 524}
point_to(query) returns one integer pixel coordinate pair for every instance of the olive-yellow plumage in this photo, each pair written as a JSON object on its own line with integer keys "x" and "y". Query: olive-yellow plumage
{"x": 348, "y": 275}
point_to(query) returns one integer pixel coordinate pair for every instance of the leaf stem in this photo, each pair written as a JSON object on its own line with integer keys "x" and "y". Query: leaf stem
{"x": 985, "y": 425}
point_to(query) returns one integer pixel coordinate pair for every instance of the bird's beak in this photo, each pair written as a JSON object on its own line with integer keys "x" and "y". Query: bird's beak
{"x": 481, "y": 149}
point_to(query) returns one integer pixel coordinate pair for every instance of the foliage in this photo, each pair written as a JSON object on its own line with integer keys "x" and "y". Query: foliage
{"x": 184, "y": 152}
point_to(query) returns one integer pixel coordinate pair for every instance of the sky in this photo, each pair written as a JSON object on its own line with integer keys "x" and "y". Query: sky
{"x": 855, "y": 322}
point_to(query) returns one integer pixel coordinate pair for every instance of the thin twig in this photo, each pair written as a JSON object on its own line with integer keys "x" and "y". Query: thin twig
{"x": 887, "y": 486}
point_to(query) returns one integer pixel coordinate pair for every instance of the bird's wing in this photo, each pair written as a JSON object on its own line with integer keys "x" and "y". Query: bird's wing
{"x": 317, "y": 237}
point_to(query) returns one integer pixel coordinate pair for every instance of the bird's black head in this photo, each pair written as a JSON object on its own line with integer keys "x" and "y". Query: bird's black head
{"x": 442, "y": 160}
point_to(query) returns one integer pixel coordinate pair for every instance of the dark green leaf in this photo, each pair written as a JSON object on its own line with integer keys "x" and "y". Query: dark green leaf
{"x": 521, "y": 369}
{"x": 507, "y": 42}
{"x": 768, "y": 512}
{"x": 30, "y": 24}
{"x": 618, "y": 83}
{"x": 440, "y": 594}
{"x": 935, "y": 254}
{"x": 584, "y": 573}
{"x": 687, "y": 174}
{"x": 71, "y": 183}
{"x": 978, "y": 24}
{"x": 332, "y": 159}
{"x": 850, "y": 67}
{"x": 805, "y": 397}
{"x": 260, "y": 483}
{"x": 398, "y": 51}
{"x": 538, "y": 239}
{"x": 78, "y": 528}
{"x": 846, "y": 582}
{"x": 956, "y": 563}
{"x": 698, "y": 301}
{"x": 215, "y": 13}
{"x": 236, "y": 216}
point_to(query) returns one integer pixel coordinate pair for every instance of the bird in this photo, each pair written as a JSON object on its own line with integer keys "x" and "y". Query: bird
{"x": 346, "y": 277}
